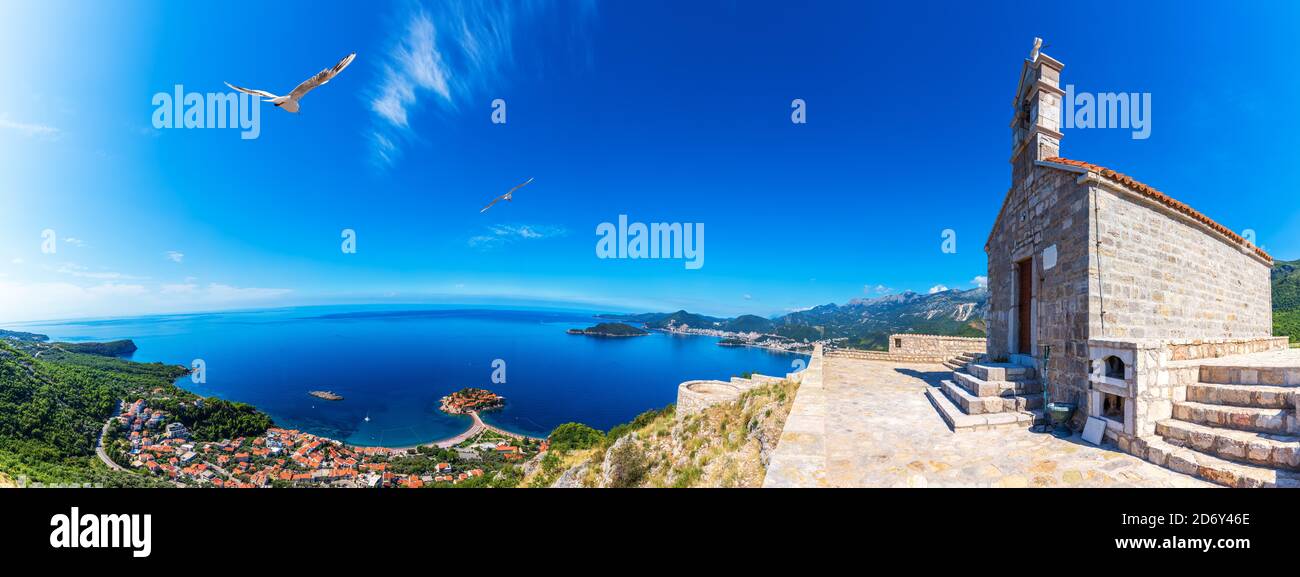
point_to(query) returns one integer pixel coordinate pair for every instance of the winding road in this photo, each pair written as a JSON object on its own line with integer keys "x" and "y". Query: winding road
{"x": 99, "y": 443}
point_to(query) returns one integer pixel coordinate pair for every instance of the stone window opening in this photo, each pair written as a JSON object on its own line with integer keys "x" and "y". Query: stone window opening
{"x": 1112, "y": 407}
{"x": 898, "y": 343}
{"x": 1114, "y": 367}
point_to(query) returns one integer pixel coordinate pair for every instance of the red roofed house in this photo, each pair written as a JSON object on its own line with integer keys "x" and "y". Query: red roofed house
{"x": 1103, "y": 288}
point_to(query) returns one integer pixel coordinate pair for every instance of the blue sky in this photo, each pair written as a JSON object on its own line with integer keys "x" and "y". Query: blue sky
{"x": 665, "y": 112}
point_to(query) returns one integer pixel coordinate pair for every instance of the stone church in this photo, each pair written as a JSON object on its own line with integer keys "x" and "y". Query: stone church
{"x": 1112, "y": 293}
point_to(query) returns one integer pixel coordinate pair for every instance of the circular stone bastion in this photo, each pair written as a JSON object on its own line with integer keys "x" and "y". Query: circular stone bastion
{"x": 695, "y": 396}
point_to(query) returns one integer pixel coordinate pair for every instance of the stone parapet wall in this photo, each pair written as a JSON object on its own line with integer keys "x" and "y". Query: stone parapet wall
{"x": 906, "y": 348}
{"x": 935, "y": 345}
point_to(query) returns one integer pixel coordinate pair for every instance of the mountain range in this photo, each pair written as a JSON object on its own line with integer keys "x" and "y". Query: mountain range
{"x": 861, "y": 323}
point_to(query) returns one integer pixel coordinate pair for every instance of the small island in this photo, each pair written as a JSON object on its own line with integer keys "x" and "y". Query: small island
{"x": 471, "y": 400}
{"x": 327, "y": 395}
{"x": 610, "y": 330}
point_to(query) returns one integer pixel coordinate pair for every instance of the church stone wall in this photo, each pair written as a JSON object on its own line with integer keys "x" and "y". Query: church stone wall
{"x": 1159, "y": 276}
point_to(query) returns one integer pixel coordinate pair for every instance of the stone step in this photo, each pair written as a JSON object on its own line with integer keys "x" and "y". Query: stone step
{"x": 954, "y": 365}
{"x": 984, "y": 388}
{"x": 970, "y": 357}
{"x": 1276, "y": 451}
{"x": 973, "y": 405}
{"x": 1273, "y": 421}
{"x": 1247, "y": 375}
{"x": 1260, "y": 396}
{"x": 1216, "y": 470}
{"x": 960, "y": 422}
{"x": 1001, "y": 371}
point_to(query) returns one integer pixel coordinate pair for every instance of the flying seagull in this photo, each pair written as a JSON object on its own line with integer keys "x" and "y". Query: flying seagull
{"x": 290, "y": 102}
{"x": 507, "y": 196}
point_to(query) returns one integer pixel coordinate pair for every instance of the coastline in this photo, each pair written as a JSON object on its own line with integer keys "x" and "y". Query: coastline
{"x": 476, "y": 426}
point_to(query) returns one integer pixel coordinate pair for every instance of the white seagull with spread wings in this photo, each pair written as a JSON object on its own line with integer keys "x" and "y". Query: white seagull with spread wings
{"x": 507, "y": 196}
{"x": 290, "y": 102}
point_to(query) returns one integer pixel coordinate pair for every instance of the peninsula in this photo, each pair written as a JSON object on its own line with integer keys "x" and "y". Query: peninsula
{"x": 326, "y": 395}
{"x": 610, "y": 330}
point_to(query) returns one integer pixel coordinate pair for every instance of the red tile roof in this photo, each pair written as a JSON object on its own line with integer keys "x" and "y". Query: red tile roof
{"x": 1162, "y": 198}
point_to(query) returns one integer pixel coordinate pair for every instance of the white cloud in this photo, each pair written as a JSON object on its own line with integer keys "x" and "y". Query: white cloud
{"x": 501, "y": 234}
{"x": 938, "y": 289}
{"x": 448, "y": 56}
{"x": 18, "y": 260}
{"x": 980, "y": 281}
{"x": 74, "y": 241}
{"x": 175, "y": 256}
{"x": 878, "y": 289}
{"x": 29, "y": 130}
{"x": 748, "y": 297}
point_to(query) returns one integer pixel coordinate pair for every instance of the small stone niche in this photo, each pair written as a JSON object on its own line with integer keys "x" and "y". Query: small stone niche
{"x": 1114, "y": 367}
{"x": 1112, "y": 407}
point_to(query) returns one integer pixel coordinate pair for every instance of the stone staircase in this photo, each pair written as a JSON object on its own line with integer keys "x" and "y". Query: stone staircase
{"x": 959, "y": 362}
{"x": 986, "y": 395}
{"x": 1239, "y": 434}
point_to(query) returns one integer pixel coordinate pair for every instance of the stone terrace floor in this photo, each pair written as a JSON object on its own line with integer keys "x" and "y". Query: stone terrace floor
{"x": 869, "y": 424}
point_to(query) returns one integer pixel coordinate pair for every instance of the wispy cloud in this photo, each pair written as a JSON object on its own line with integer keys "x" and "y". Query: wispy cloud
{"x": 878, "y": 289}
{"x": 29, "y": 130}
{"x": 51, "y": 300}
{"x": 74, "y": 241}
{"x": 175, "y": 256}
{"x": 445, "y": 57}
{"x": 938, "y": 289}
{"x": 502, "y": 234}
{"x": 79, "y": 271}
{"x": 980, "y": 281}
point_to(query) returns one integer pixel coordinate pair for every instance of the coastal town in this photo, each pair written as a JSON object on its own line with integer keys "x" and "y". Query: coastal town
{"x": 144, "y": 438}
{"x": 744, "y": 339}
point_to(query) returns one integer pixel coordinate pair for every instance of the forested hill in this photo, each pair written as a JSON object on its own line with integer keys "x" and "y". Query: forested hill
{"x": 1286, "y": 299}
{"x": 53, "y": 404}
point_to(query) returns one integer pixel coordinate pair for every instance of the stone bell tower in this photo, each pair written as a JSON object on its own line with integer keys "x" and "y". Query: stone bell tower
{"x": 1036, "y": 126}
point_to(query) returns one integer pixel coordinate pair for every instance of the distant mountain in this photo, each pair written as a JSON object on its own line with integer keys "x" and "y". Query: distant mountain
{"x": 1286, "y": 299}
{"x": 864, "y": 323}
{"x": 867, "y": 323}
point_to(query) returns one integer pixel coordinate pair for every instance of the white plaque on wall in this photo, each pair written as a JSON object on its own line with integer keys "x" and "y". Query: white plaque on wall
{"x": 1049, "y": 257}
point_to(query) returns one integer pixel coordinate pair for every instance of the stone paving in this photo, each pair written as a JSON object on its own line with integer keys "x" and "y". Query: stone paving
{"x": 859, "y": 423}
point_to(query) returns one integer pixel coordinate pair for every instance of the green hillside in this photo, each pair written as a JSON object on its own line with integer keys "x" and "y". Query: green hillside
{"x": 1286, "y": 299}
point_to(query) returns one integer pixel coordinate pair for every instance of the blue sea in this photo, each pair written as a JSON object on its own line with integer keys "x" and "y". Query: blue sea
{"x": 392, "y": 365}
